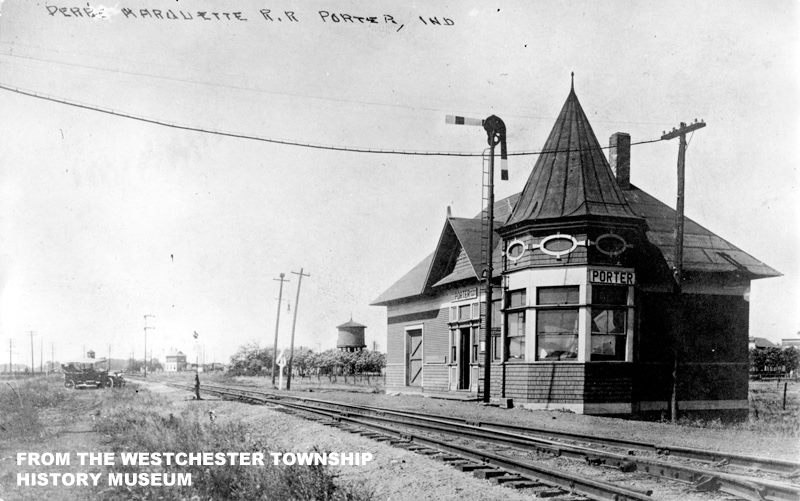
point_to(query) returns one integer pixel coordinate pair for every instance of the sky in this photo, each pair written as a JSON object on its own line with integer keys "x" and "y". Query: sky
{"x": 105, "y": 219}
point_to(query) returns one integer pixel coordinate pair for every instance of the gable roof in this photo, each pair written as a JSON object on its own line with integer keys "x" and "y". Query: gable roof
{"x": 572, "y": 177}
{"x": 411, "y": 284}
{"x": 703, "y": 250}
{"x": 459, "y": 235}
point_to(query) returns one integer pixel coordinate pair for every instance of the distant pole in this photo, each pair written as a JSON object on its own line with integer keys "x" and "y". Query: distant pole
{"x": 41, "y": 356}
{"x": 294, "y": 322}
{"x": 109, "y": 357}
{"x": 33, "y": 367}
{"x": 10, "y": 363}
{"x": 145, "y": 341}
{"x": 277, "y": 323}
{"x": 680, "y": 133}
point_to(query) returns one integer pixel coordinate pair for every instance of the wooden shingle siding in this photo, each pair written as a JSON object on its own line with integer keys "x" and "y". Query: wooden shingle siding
{"x": 651, "y": 382}
{"x": 537, "y": 258}
{"x": 608, "y": 382}
{"x": 462, "y": 263}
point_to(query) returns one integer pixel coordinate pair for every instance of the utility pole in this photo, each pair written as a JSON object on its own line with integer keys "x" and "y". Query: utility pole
{"x": 294, "y": 322}
{"x": 41, "y": 355}
{"x": 10, "y": 363}
{"x": 277, "y": 323}
{"x": 145, "y": 341}
{"x": 677, "y": 287}
{"x": 496, "y": 134}
{"x": 33, "y": 367}
{"x": 52, "y": 357}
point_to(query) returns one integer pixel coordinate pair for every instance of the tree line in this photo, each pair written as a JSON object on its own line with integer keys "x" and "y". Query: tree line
{"x": 774, "y": 361}
{"x": 251, "y": 360}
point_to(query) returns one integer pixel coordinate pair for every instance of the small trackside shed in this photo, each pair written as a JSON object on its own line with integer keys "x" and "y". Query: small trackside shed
{"x": 585, "y": 311}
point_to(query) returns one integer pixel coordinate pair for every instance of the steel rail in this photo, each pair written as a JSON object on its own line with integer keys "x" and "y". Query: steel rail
{"x": 777, "y": 466}
{"x": 598, "y": 490}
{"x": 754, "y": 489}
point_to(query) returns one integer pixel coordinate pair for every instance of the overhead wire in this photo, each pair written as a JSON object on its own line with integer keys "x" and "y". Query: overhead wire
{"x": 285, "y": 142}
{"x": 244, "y": 88}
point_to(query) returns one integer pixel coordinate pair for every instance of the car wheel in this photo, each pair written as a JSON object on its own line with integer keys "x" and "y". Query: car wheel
{"x": 109, "y": 383}
{"x": 69, "y": 384}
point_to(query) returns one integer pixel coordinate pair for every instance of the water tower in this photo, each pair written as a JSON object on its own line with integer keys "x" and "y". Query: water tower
{"x": 351, "y": 336}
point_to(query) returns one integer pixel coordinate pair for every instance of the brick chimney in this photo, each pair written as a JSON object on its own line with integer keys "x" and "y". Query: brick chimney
{"x": 619, "y": 157}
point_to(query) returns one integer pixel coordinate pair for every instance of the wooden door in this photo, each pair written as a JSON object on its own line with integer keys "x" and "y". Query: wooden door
{"x": 414, "y": 357}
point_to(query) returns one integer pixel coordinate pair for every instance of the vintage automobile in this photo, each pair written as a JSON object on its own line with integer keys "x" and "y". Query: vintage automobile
{"x": 90, "y": 373}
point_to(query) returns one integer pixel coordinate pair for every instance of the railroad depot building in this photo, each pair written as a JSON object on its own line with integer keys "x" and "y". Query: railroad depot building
{"x": 585, "y": 313}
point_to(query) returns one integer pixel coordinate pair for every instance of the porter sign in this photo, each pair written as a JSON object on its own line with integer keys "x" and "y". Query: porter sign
{"x": 613, "y": 277}
{"x": 465, "y": 294}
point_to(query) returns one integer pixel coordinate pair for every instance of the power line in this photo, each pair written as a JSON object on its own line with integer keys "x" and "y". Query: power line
{"x": 238, "y": 87}
{"x": 286, "y": 142}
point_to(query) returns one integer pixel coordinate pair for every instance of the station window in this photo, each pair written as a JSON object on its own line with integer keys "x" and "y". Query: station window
{"x": 515, "y": 324}
{"x": 557, "y": 327}
{"x": 609, "y": 322}
{"x": 475, "y": 333}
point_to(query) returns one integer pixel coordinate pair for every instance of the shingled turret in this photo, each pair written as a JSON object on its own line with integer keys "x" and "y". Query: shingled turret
{"x": 572, "y": 178}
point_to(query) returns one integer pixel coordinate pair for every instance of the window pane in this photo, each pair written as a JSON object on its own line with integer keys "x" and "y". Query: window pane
{"x": 516, "y": 299}
{"x": 516, "y": 324}
{"x": 608, "y": 347}
{"x": 464, "y": 312}
{"x": 516, "y": 348}
{"x": 515, "y": 333}
{"x": 609, "y": 294}
{"x": 557, "y": 322}
{"x": 557, "y": 295}
{"x": 557, "y": 334}
{"x": 557, "y": 347}
{"x": 608, "y": 321}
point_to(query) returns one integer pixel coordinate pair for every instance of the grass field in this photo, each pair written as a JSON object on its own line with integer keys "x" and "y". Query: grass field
{"x": 35, "y": 413}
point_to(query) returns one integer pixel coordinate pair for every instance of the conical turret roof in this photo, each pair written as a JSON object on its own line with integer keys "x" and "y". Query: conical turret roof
{"x": 572, "y": 178}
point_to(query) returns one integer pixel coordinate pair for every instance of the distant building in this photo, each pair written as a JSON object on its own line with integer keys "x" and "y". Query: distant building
{"x": 351, "y": 336}
{"x": 792, "y": 342}
{"x": 760, "y": 343}
{"x": 175, "y": 362}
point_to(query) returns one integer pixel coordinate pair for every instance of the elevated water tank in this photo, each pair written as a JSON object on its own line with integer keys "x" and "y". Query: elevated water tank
{"x": 351, "y": 336}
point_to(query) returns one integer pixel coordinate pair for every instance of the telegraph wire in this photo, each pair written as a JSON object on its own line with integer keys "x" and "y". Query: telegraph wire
{"x": 286, "y": 142}
{"x": 247, "y": 88}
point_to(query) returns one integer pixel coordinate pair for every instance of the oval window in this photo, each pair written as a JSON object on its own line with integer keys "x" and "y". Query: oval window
{"x": 558, "y": 245}
{"x": 611, "y": 244}
{"x": 515, "y": 250}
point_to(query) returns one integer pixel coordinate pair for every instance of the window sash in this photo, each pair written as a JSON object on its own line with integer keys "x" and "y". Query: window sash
{"x": 557, "y": 334}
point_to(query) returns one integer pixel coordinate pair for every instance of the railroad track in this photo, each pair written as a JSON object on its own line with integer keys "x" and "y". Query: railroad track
{"x": 586, "y": 448}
